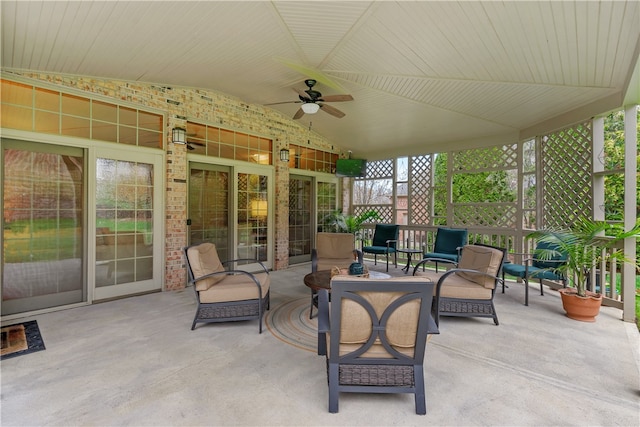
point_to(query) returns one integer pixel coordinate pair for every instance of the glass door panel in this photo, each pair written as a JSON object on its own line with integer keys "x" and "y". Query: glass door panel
{"x": 326, "y": 203}
{"x": 128, "y": 257}
{"x": 300, "y": 224}
{"x": 253, "y": 209}
{"x": 43, "y": 226}
{"x": 209, "y": 207}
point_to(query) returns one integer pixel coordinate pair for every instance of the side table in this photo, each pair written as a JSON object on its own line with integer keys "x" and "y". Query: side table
{"x": 409, "y": 253}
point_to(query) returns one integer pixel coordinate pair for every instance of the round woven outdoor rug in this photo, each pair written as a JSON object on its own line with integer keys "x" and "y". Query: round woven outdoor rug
{"x": 289, "y": 322}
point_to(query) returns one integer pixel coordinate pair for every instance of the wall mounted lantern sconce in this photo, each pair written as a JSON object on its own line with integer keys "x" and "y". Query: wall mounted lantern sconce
{"x": 179, "y": 136}
{"x": 284, "y": 155}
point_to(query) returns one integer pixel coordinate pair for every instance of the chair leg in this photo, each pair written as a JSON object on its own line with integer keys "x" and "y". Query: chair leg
{"x": 541, "y": 290}
{"x": 195, "y": 318}
{"x": 311, "y": 308}
{"x": 418, "y": 377}
{"x": 333, "y": 388}
{"x": 435, "y": 311}
{"x": 322, "y": 344}
{"x": 495, "y": 315}
{"x": 387, "y": 262}
{"x": 436, "y": 266}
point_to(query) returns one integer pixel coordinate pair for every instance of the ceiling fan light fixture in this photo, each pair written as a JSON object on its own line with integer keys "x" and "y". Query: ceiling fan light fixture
{"x": 310, "y": 107}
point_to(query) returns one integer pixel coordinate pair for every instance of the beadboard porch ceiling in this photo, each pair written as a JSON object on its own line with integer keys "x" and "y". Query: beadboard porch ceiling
{"x": 423, "y": 74}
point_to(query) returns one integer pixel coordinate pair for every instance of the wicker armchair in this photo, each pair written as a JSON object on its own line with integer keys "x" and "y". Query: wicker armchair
{"x": 332, "y": 250}
{"x": 468, "y": 289}
{"x": 374, "y": 336}
{"x": 225, "y": 295}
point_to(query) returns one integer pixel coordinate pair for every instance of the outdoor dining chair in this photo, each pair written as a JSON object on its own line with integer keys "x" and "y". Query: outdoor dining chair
{"x": 449, "y": 242}
{"x": 385, "y": 241}
{"x": 533, "y": 267}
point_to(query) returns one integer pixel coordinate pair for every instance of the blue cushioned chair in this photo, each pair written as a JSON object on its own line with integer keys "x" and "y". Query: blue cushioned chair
{"x": 385, "y": 241}
{"x": 449, "y": 243}
{"x": 536, "y": 268}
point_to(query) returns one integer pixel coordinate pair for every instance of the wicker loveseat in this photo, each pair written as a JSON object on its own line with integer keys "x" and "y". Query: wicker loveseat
{"x": 225, "y": 294}
{"x": 374, "y": 336}
{"x": 468, "y": 289}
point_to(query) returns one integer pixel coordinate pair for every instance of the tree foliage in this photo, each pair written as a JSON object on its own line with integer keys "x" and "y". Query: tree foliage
{"x": 613, "y": 158}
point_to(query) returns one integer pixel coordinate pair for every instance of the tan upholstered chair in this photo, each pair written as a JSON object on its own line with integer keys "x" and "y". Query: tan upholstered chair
{"x": 374, "y": 336}
{"x": 334, "y": 250}
{"x": 468, "y": 289}
{"x": 225, "y": 294}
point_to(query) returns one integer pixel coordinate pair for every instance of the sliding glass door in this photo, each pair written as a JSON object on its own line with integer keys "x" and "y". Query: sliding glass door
{"x": 43, "y": 228}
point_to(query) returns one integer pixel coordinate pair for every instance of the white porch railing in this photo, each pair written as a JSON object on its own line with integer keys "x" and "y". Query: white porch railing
{"x": 419, "y": 237}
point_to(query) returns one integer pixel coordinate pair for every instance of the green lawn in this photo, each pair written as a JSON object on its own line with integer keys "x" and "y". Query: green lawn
{"x": 54, "y": 239}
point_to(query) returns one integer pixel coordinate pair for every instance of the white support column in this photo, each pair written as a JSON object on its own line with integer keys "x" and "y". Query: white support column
{"x": 630, "y": 203}
{"x": 598, "y": 166}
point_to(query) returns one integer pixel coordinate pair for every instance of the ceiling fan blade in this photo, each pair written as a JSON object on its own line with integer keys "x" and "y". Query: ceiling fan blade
{"x": 284, "y": 102}
{"x": 337, "y": 98}
{"x": 311, "y": 72}
{"x": 331, "y": 110}
{"x": 196, "y": 143}
{"x": 301, "y": 93}
{"x": 298, "y": 114}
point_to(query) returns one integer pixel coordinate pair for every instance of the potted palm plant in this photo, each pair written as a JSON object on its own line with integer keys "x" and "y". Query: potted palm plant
{"x": 585, "y": 245}
{"x": 341, "y": 223}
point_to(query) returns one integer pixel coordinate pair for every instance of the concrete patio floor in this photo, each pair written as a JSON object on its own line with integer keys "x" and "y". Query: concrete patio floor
{"x": 135, "y": 362}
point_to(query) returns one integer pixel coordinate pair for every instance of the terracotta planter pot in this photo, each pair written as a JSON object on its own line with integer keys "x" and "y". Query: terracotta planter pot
{"x": 584, "y": 309}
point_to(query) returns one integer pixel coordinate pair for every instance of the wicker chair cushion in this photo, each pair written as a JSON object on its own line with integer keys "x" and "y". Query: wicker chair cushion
{"x": 401, "y": 327}
{"x": 236, "y": 287}
{"x": 483, "y": 259}
{"x": 456, "y": 286}
{"x": 204, "y": 260}
{"x": 335, "y": 246}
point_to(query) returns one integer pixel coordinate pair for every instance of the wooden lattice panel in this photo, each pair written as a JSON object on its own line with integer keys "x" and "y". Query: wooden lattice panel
{"x": 485, "y": 215}
{"x": 566, "y": 163}
{"x": 490, "y": 214}
{"x": 420, "y": 189}
{"x": 380, "y": 169}
{"x": 501, "y": 157}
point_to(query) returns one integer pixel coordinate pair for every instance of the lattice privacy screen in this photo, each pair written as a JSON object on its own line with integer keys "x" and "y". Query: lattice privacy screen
{"x": 420, "y": 188}
{"x": 486, "y": 214}
{"x": 566, "y": 161}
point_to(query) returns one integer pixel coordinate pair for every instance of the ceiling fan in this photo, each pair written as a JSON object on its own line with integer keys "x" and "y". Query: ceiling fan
{"x": 312, "y": 101}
